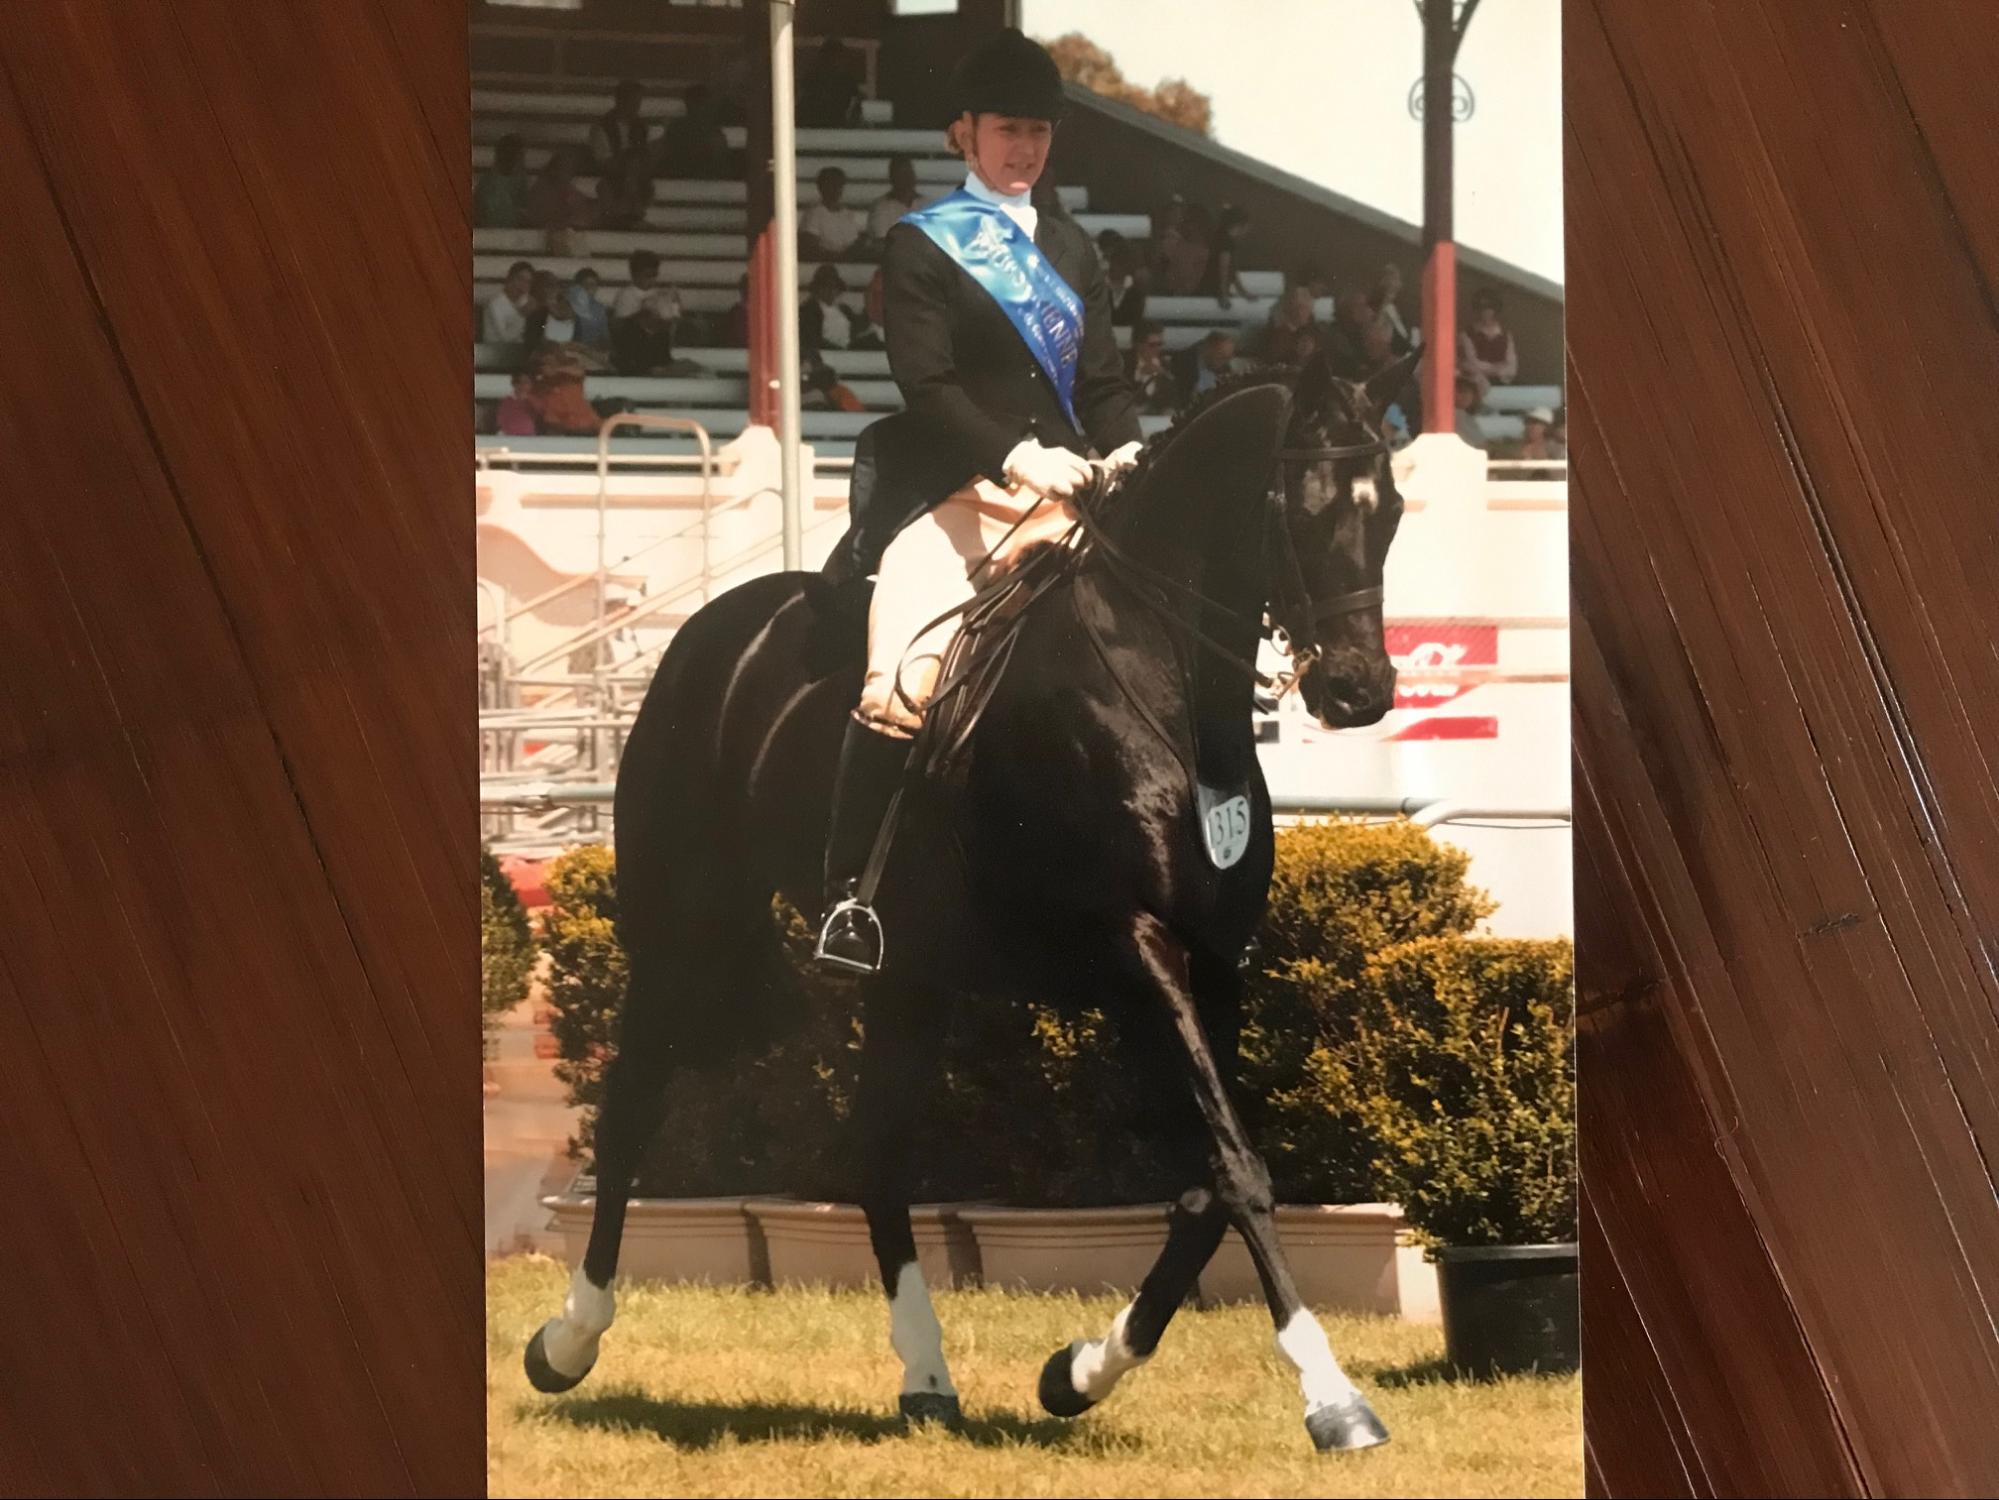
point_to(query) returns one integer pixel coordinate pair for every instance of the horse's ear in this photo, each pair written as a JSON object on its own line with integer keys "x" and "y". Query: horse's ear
{"x": 1383, "y": 386}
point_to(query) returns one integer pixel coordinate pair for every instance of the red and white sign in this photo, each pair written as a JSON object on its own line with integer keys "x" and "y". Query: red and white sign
{"x": 1433, "y": 646}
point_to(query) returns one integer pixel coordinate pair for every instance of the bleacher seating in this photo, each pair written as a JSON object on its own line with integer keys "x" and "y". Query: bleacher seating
{"x": 530, "y": 104}
{"x": 696, "y": 227}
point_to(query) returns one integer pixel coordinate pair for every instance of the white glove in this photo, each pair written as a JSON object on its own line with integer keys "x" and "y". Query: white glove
{"x": 1122, "y": 458}
{"x": 1055, "y": 472}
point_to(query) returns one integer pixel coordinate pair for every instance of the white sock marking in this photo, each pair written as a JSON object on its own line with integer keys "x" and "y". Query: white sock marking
{"x": 1095, "y": 1365}
{"x": 1304, "y": 1343}
{"x": 917, "y": 1336}
{"x": 570, "y": 1341}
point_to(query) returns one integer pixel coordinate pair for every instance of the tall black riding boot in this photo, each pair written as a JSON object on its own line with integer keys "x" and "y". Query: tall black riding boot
{"x": 871, "y": 768}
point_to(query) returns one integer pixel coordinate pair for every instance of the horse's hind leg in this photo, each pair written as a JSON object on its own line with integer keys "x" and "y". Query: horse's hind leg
{"x": 898, "y": 1056}
{"x": 635, "y": 1099}
{"x": 1336, "y": 1414}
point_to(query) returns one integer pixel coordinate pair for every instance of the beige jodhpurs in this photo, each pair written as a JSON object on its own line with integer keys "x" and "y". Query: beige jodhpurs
{"x": 936, "y": 562}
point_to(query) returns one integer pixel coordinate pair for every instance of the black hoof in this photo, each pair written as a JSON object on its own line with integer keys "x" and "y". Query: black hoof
{"x": 919, "y": 1407}
{"x": 543, "y": 1376}
{"x": 1346, "y": 1427}
{"x": 1059, "y": 1396}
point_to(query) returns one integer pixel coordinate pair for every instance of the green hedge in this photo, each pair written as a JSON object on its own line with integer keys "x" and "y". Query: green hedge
{"x": 506, "y": 946}
{"x": 1340, "y": 892}
{"x": 1038, "y": 1107}
{"x": 1460, "y": 1068}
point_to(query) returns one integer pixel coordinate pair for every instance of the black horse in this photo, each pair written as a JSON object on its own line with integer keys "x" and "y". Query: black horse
{"x": 1111, "y": 803}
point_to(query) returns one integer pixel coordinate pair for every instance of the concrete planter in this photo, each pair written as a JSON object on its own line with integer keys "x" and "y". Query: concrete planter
{"x": 671, "y": 1239}
{"x": 1343, "y": 1256}
{"x": 1086, "y": 1250}
{"x": 828, "y": 1242}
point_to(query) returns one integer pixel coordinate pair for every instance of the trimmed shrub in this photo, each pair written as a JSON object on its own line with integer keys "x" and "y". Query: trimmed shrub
{"x": 1340, "y": 892}
{"x": 1460, "y": 1066}
{"x": 586, "y": 974}
{"x": 506, "y": 947}
{"x": 1033, "y": 1106}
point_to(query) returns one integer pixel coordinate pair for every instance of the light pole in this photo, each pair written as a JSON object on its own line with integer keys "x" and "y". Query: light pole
{"x": 1444, "y": 23}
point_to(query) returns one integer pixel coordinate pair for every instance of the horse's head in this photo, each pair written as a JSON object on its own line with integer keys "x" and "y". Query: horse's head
{"x": 1341, "y": 510}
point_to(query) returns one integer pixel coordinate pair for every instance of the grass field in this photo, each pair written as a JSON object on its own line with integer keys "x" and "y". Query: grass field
{"x": 727, "y": 1391}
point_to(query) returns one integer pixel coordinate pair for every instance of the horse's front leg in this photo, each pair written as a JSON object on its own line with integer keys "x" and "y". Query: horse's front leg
{"x": 1079, "y": 1375}
{"x": 1336, "y": 1414}
{"x": 899, "y": 1054}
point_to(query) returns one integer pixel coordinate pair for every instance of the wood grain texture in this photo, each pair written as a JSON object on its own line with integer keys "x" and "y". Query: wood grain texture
{"x": 238, "y": 1034}
{"x": 1784, "y": 230}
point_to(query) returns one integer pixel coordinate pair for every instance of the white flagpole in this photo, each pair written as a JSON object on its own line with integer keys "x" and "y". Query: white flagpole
{"x": 785, "y": 168}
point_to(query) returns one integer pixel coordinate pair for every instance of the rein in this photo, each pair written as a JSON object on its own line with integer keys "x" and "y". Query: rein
{"x": 1036, "y": 574}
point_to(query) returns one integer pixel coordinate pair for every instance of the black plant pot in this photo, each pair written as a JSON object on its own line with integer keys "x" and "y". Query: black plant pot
{"x": 1509, "y": 1309}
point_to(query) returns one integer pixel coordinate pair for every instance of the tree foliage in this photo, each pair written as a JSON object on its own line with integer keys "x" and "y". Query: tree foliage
{"x": 1173, "y": 100}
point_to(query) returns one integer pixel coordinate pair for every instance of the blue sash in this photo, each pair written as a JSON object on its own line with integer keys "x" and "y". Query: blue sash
{"x": 998, "y": 255}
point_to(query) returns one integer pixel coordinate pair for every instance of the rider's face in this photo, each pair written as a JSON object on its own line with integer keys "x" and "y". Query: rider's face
{"x": 1009, "y": 152}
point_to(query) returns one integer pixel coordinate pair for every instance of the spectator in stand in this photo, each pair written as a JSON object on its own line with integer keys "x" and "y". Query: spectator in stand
{"x": 1275, "y": 343}
{"x": 1485, "y": 351}
{"x": 1378, "y": 344}
{"x": 642, "y": 344}
{"x": 1205, "y": 365}
{"x": 694, "y": 145}
{"x": 830, "y": 229}
{"x": 500, "y": 201}
{"x": 1306, "y": 345}
{"x": 624, "y": 196}
{"x": 1387, "y": 287}
{"x": 642, "y": 319}
{"x": 1312, "y": 276}
{"x": 1125, "y": 278}
{"x": 516, "y": 415}
{"x": 557, "y": 204}
{"x": 550, "y": 318}
{"x": 643, "y": 267}
{"x": 1145, "y": 366}
{"x": 1187, "y": 263}
{"x": 901, "y": 198}
{"x": 828, "y": 322}
{"x": 506, "y": 314}
{"x": 830, "y": 92}
{"x": 593, "y": 318}
{"x": 1537, "y": 443}
{"x": 824, "y": 391}
{"x": 621, "y": 132}
{"x": 1469, "y": 393}
{"x": 1348, "y": 348}
{"x": 734, "y": 330}
{"x": 1558, "y": 435}
{"x": 1221, "y": 278}
{"x": 560, "y": 406}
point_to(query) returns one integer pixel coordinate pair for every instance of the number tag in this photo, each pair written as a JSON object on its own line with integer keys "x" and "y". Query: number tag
{"x": 1224, "y": 826}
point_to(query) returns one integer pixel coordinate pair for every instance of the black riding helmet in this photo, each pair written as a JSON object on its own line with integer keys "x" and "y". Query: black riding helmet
{"x": 1009, "y": 74}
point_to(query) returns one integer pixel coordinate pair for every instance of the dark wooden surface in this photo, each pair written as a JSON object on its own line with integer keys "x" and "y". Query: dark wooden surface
{"x": 238, "y": 1046}
{"x": 239, "y": 1065}
{"x": 1784, "y": 359}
